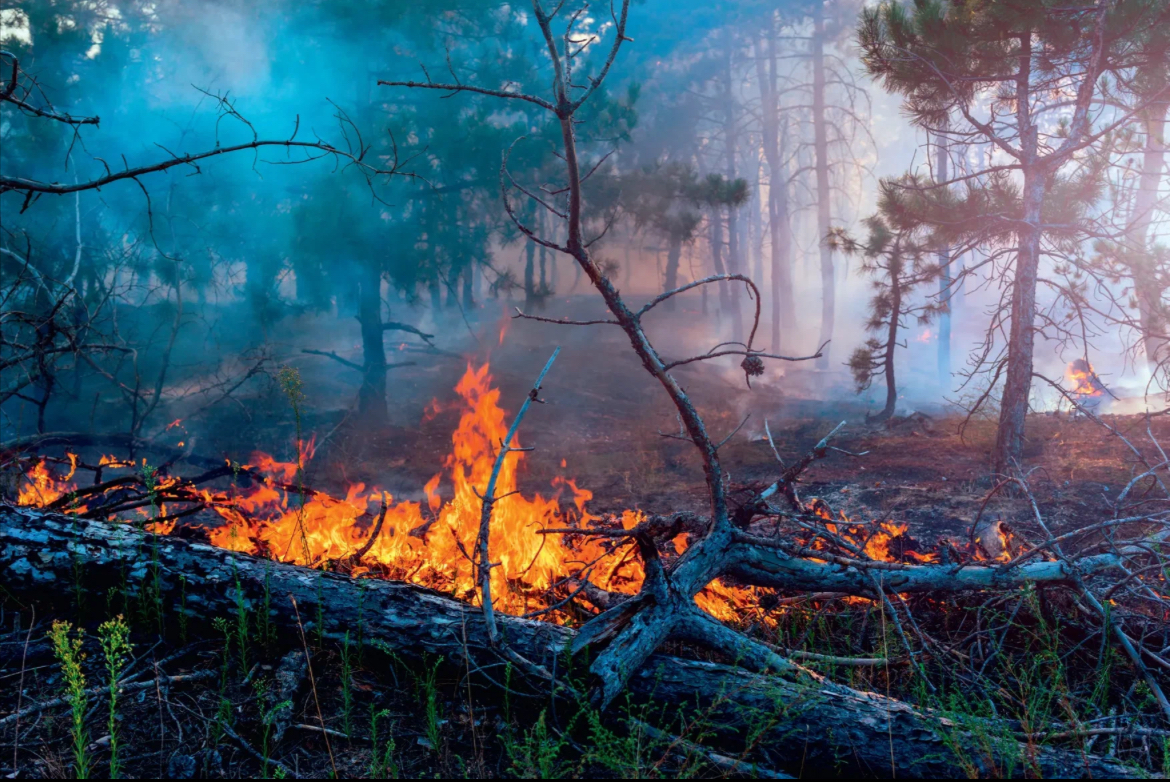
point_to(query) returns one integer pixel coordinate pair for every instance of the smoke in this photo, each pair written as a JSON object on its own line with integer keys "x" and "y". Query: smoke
{"x": 271, "y": 255}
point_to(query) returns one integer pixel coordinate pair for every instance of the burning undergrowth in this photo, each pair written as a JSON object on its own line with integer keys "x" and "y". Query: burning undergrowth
{"x": 1025, "y": 659}
{"x": 263, "y": 507}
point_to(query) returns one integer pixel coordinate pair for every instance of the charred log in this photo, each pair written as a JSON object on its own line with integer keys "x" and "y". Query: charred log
{"x": 812, "y": 723}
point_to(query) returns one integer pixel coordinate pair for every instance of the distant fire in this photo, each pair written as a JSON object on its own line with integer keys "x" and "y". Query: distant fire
{"x": 1082, "y": 380}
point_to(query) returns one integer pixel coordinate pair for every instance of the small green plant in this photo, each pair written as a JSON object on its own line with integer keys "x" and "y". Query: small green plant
{"x": 152, "y": 607}
{"x": 625, "y": 755}
{"x": 267, "y": 719}
{"x": 224, "y": 711}
{"x": 972, "y": 723}
{"x": 69, "y": 654}
{"x": 427, "y": 688}
{"x": 294, "y": 388}
{"x": 382, "y": 765}
{"x": 536, "y": 754}
{"x": 346, "y": 683}
{"x": 114, "y": 636}
{"x": 241, "y": 628}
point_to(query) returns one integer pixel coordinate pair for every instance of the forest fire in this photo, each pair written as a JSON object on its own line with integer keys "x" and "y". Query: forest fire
{"x": 777, "y": 214}
{"x": 429, "y": 545}
{"x": 42, "y": 488}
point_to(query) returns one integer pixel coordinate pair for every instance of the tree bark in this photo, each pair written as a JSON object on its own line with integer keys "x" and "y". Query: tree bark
{"x": 815, "y": 726}
{"x": 1150, "y": 293}
{"x": 779, "y": 224}
{"x": 372, "y": 394}
{"x": 824, "y": 193}
{"x": 670, "y": 281}
{"x": 945, "y": 279}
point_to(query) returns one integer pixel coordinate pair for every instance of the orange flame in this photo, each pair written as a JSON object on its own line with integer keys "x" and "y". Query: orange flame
{"x": 432, "y": 541}
{"x": 43, "y": 488}
{"x": 1082, "y": 379}
{"x": 324, "y": 528}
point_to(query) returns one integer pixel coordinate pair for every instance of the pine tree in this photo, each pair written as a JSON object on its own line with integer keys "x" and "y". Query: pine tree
{"x": 897, "y": 256}
{"x": 985, "y": 73}
{"x": 663, "y": 199}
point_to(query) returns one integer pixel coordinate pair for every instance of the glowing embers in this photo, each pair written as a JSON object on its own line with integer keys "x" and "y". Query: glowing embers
{"x": 883, "y": 541}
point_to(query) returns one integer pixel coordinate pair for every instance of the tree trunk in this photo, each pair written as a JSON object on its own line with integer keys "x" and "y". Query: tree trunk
{"x": 715, "y": 223}
{"x": 467, "y": 279}
{"x": 530, "y": 263}
{"x": 779, "y": 223}
{"x": 544, "y": 268}
{"x": 670, "y": 281}
{"x": 783, "y": 303}
{"x": 1013, "y": 406}
{"x": 47, "y": 559}
{"x": 824, "y": 194}
{"x": 945, "y": 279}
{"x": 1148, "y": 290}
{"x": 372, "y": 394}
{"x": 549, "y": 227}
{"x": 755, "y": 229}
{"x": 731, "y": 142}
{"x": 892, "y": 345}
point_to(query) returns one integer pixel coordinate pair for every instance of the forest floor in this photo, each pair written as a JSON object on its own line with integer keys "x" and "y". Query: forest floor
{"x": 603, "y": 420}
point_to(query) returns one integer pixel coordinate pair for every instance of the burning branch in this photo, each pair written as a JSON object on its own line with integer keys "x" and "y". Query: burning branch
{"x": 489, "y": 498}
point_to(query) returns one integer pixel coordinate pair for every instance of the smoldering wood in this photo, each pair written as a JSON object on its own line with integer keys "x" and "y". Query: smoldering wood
{"x": 801, "y": 724}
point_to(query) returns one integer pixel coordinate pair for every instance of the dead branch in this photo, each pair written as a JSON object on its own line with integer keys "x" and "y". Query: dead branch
{"x": 489, "y": 498}
{"x": 814, "y": 721}
{"x": 351, "y": 364}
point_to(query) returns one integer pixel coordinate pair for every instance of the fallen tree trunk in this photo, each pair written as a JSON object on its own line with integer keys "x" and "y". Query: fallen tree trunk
{"x": 819, "y": 728}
